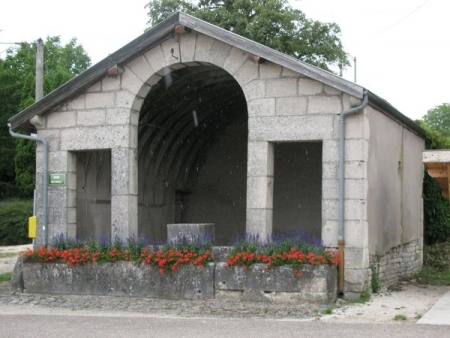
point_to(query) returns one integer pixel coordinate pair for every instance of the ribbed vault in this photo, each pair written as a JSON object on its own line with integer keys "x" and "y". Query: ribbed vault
{"x": 184, "y": 114}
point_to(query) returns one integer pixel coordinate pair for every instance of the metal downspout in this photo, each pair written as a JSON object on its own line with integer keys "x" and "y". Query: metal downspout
{"x": 341, "y": 175}
{"x": 44, "y": 177}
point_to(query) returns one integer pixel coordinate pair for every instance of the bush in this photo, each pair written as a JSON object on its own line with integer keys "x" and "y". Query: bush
{"x": 436, "y": 212}
{"x": 9, "y": 191}
{"x": 436, "y": 208}
{"x": 14, "y": 222}
{"x": 437, "y": 256}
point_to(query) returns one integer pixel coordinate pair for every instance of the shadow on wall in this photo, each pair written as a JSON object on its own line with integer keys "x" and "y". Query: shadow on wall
{"x": 298, "y": 188}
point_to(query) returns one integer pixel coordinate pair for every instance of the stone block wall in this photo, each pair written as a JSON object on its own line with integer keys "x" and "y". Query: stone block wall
{"x": 403, "y": 260}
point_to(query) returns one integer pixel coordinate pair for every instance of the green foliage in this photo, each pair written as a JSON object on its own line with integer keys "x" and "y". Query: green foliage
{"x": 278, "y": 244}
{"x": 14, "y": 222}
{"x": 436, "y": 208}
{"x": 437, "y": 256}
{"x": 135, "y": 246}
{"x": 432, "y": 276}
{"x": 65, "y": 243}
{"x": 328, "y": 310}
{"x": 436, "y": 212}
{"x": 25, "y": 166}
{"x": 273, "y": 23}
{"x": 436, "y": 265}
{"x": 364, "y": 297}
{"x": 400, "y": 317}
{"x": 8, "y": 254}
{"x": 433, "y": 138}
{"x": 438, "y": 118}
{"x": 5, "y": 277}
{"x": 7, "y": 148}
{"x": 199, "y": 245}
{"x": 17, "y": 91}
{"x": 9, "y": 191}
{"x": 159, "y": 10}
{"x": 375, "y": 280}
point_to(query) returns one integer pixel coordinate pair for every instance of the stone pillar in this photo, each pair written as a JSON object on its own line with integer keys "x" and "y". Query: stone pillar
{"x": 124, "y": 202}
{"x": 71, "y": 195}
{"x": 260, "y": 189}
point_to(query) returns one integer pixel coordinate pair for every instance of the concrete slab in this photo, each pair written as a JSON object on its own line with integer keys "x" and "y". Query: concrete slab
{"x": 439, "y": 314}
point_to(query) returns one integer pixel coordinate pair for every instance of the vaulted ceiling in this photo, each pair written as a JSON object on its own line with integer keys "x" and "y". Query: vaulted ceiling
{"x": 182, "y": 111}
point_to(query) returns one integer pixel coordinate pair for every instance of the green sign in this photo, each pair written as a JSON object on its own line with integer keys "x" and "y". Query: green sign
{"x": 57, "y": 179}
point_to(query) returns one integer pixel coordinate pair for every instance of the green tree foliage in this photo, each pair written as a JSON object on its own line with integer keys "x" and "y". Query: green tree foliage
{"x": 24, "y": 161}
{"x": 17, "y": 91}
{"x": 438, "y": 118}
{"x": 436, "y": 207}
{"x": 13, "y": 222}
{"x": 273, "y": 23}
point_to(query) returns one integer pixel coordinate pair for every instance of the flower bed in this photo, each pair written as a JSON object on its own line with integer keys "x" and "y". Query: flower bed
{"x": 287, "y": 270}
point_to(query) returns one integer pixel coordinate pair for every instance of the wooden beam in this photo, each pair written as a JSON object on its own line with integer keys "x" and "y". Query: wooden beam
{"x": 436, "y": 156}
{"x": 438, "y": 172}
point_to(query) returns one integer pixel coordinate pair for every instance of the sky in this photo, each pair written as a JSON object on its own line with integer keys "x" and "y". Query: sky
{"x": 401, "y": 47}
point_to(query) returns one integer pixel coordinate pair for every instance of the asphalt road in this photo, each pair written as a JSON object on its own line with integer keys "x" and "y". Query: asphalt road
{"x": 94, "y": 325}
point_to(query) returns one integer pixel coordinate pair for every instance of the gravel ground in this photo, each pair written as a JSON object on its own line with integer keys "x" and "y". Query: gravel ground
{"x": 195, "y": 308}
{"x": 412, "y": 301}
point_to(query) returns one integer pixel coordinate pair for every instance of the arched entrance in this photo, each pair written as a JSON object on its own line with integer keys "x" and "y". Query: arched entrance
{"x": 192, "y": 145}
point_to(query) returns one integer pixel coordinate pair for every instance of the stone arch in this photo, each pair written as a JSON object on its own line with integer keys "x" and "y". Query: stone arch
{"x": 192, "y": 150}
{"x": 184, "y": 50}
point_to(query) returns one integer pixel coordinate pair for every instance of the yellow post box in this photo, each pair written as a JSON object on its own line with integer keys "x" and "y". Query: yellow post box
{"x": 32, "y": 227}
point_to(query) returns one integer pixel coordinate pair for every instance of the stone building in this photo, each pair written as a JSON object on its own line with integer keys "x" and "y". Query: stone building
{"x": 190, "y": 123}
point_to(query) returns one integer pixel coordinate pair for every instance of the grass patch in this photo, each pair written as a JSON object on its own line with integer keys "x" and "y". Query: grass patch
{"x": 328, "y": 310}
{"x": 432, "y": 276}
{"x": 364, "y": 297}
{"x": 8, "y": 254}
{"x": 400, "y": 318}
{"x": 436, "y": 265}
{"x": 437, "y": 256}
{"x": 5, "y": 277}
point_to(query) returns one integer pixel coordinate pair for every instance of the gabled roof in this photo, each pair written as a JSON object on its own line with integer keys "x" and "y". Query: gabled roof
{"x": 166, "y": 28}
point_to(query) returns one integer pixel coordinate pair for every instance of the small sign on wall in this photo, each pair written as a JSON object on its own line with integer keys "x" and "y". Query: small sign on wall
{"x": 56, "y": 180}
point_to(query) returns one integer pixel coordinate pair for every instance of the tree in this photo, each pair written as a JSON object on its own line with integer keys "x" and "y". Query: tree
{"x": 17, "y": 91}
{"x": 273, "y": 23}
{"x": 438, "y": 119}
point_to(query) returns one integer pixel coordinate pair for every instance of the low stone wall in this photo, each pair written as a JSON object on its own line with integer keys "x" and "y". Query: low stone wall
{"x": 216, "y": 280}
{"x": 120, "y": 279}
{"x": 403, "y": 260}
{"x": 279, "y": 284}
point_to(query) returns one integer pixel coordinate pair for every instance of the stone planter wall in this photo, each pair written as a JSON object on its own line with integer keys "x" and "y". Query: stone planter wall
{"x": 216, "y": 280}
{"x": 119, "y": 279}
{"x": 317, "y": 283}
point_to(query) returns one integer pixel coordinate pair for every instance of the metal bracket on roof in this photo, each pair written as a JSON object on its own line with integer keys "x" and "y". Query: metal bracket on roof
{"x": 256, "y": 59}
{"x": 38, "y": 121}
{"x": 115, "y": 71}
